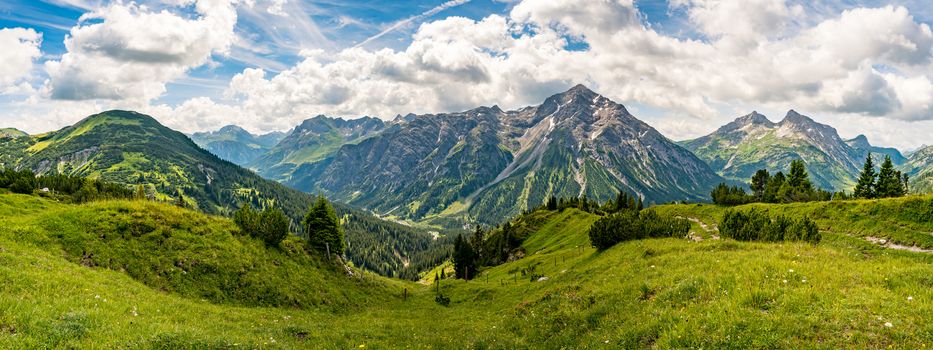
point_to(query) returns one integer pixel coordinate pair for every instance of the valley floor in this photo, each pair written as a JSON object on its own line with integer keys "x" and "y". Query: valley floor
{"x": 845, "y": 292}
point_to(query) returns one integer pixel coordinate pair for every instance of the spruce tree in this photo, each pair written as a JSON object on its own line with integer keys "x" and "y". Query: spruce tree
{"x": 464, "y": 264}
{"x": 759, "y": 183}
{"x": 323, "y": 228}
{"x": 774, "y": 186}
{"x": 889, "y": 181}
{"x": 865, "y": 187}
{"x": 798, "y": 177}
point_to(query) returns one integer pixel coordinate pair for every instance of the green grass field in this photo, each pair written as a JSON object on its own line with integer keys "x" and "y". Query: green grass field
{"x": 61, "y": 290}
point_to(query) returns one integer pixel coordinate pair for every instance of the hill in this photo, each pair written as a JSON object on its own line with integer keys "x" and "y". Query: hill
{"x": 486, "y": 164}
{"x": 234, "y": 144}
{"x": 665, "y": 293}
{"x": 753, "y": 142}
{"x": 134, "y": 149}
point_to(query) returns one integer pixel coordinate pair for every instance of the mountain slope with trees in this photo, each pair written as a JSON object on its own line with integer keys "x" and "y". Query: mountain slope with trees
{"x": 752, "y": 142}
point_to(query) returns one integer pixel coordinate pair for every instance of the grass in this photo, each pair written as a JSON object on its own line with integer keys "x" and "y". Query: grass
{"x": 662, "y": 293}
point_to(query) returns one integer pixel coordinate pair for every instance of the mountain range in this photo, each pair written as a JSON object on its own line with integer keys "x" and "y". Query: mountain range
{"x": 235, "y": 144}
{"x": 487, "y": 164}
{"x": 450, "y": 169}
{"x": 751, "y": 142}
{"x": 311, "y": 141}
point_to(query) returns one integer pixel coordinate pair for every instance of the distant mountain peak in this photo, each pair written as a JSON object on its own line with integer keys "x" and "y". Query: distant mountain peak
{"x": 579, "y": 90}
{"x": 859, "y": 141}
{"x": 795, "y": 118}
{"x": 231, "y": 128}
{"x": 754, "y": 118}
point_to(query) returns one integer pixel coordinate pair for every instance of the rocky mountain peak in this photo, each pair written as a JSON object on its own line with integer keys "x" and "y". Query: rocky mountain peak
{"x": 859, "y": 141}
{"x": 754, "y": 118}
{"x": 794, "y": 118}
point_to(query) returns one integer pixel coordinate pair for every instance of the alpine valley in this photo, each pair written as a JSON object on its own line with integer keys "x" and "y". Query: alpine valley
{"x": 560, "y": 252}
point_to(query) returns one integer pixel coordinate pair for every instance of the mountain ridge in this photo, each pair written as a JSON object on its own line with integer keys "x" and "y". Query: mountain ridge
{"x": 751, "y": 142}
{"x": 490, "y": 162}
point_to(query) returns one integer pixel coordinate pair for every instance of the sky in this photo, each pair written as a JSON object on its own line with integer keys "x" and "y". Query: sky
{"x": 684, "y": 66}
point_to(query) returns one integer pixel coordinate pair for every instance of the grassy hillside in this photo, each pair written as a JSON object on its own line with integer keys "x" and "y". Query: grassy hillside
{"x": 663, "y": 293}
{"x": 136, "y": 150}
{"x": 905, "y": 221}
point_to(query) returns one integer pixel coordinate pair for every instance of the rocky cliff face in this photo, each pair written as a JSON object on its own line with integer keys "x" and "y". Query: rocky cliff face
{"x": 488, "y": 163}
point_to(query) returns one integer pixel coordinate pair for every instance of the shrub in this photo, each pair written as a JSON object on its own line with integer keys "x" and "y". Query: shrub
{"x": 269, "y": 225}
{"x": 631, "y": 225}
{"x": 757, "y": 225}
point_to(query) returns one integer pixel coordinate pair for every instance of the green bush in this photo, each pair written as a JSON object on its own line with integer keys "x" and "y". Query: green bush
{"x": 631, "y": 225}
{"x": 757, "y": 225}
{"x": 269, "y": 225}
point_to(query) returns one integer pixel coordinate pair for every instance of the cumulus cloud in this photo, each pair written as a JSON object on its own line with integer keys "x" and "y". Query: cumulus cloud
{"x": 20, "y": 50}
{"x": 761, "y": 54}
{"x": 756, "y": 58}
{"x": 129, "y": 52}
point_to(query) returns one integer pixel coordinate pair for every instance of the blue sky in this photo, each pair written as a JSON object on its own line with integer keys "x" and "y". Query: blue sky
{"x": 685, "y": 66}
{"x": 343, "y": 23}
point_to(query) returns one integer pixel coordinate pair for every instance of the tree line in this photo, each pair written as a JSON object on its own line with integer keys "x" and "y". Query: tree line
{"x": 796, "y": 186}
{"x": 777, "y": 188}
{"x": 885, "y": 184}
{"x": 65, "y": 187}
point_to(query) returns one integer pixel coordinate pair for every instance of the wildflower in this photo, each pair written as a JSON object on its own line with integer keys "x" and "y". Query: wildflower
{"x": 804, "y": 280}
{"x": 790, "y": 270}
{"x": 910, "y": 298}
{"x": 785, "y": 281}
{"x": 362, "y": 346}
{"x": 888, "y": 324}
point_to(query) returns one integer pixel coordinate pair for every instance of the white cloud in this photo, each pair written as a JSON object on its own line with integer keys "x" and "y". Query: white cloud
{"x": 864, "y": 64}
{"x": 458, "y": 63}
{"x": 129, "y": 52}
{"x": 20, "y": 50}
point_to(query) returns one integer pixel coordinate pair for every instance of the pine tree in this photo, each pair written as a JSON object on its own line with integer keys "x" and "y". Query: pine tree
{"x": 479, "y": 237}
{"x": 759, "y": 183}
{"x": 774, "y": 186}
{"x": 798, "y": 177}
{"x": 889, "y": 181}
{"x": 552, "y": 203}
{"x": 323, "y": 228}
{"x": 464, "y": 263}
{"x": 865, "y": 187}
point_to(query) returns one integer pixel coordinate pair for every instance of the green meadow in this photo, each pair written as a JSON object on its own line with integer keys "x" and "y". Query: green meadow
{"x": 136, "y": 274}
